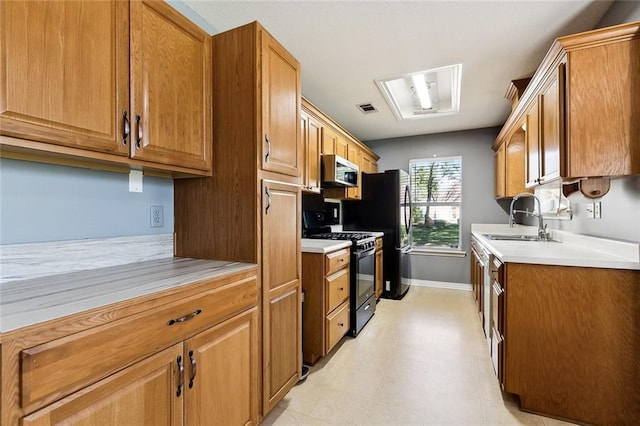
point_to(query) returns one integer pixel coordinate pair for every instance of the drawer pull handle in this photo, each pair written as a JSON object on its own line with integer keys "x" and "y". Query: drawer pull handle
{"x": 193, "y": 369}
{"x": 126, "y": 127}
{"x": 180, "y": 375}
{"x": 139, "y": 129}
{"x": 185, "y": 318}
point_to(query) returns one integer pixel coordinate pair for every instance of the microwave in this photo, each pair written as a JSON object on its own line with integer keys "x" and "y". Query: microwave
{"x": 338, "y": 172}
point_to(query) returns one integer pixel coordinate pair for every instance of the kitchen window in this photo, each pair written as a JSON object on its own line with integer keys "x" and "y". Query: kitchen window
{"x": 436, "y": 186}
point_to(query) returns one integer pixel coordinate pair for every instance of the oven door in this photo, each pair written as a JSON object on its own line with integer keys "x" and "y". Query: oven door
{"x": 363, "y": 275}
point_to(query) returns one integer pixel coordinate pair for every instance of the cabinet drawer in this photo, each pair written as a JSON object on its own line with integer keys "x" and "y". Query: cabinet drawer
{"x": 337, "y": 260}
{"x": 337, "y": 289}
{"x": 57, "y": 368}
{"x": 337, "y": 325}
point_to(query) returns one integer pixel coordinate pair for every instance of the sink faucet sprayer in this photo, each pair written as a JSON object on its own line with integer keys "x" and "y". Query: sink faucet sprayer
{"x": 542, "y": 228}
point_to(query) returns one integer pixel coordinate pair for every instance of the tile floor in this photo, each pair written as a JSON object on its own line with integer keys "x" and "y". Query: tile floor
{"x": 420, "y": 361}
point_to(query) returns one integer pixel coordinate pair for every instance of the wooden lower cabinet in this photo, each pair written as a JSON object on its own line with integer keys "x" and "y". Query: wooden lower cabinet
{"x": 223, "y": 374}
{"x": 281, "y": 296}
{"x": 571, "y": 342}
{"x": 142, "y": 394}
{"x": 325, "y": 281}
{"x": 202, "y": 368}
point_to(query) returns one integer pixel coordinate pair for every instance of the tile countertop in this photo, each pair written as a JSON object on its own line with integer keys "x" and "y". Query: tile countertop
{"x": 322, "y": 246}
{"x": 571, "y": 250}
{"x": 32, "y": 301}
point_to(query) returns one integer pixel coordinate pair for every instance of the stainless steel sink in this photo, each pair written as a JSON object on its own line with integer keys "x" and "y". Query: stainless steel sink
{"x": 515, "y": 237}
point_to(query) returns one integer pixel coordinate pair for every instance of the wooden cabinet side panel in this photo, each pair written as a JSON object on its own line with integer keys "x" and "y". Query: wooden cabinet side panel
{"x": 64, "y": 73}
{"x": 205, "y": 208}
{"x": 572, "y": 342}
{"x": 313, "y": 308}
{"x": 500, "y": 171}
{"x": 144, "y": 393}
{"x": 604, "y": 110}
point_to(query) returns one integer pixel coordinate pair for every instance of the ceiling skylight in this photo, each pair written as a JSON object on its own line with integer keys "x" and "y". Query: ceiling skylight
{"x": 423, "y": 94}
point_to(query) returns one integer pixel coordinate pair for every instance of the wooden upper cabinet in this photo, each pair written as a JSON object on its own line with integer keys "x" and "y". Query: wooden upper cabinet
{"x": 64, "y": 73}
{"x": 280, "y": 108}
{"x": 342, "y": 147}
{"x": 170, "y": 87}
{"x": 581, "y": 108}
{"x": 311, "y": 138}
{"x": 329, "y": 141}
{"x": 551, "y": 136}
{"x": 603, "y": 106}
{"x": 532, "y": 146}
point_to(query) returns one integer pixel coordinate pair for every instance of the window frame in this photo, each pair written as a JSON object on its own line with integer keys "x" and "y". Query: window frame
{"x": 437, "y": 250}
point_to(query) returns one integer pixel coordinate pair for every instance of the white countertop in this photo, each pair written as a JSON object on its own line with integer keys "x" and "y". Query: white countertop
{"x": 322, "y": 246}
{"x": 32, "y": 301}
{"x": 571, "y": 250}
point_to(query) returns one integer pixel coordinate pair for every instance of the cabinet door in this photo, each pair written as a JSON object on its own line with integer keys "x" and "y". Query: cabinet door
{"x": 142, "y": 394}
{"x": 64, "y": 73}
{"x": 221, "y": 373}
{"x": 170, "y": 87}
{"x": 552, "y": 128}
{"x": 342, "y": 147}
{"x": 532, "y": 152}
{"x": 500, "y": 171}
{"x": 311, "y": 137}
{"x": 281, "y": 151}
{"x": 281, "y": 269}
{"x": 329, "y": 141}
{"x": 514, "y": 164}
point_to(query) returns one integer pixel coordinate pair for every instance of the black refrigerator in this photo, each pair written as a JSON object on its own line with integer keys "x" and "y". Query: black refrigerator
{"x": 386, "y": 207}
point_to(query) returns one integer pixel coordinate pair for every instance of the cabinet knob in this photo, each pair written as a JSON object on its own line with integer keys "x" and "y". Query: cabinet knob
{"x": 341, "y": 324}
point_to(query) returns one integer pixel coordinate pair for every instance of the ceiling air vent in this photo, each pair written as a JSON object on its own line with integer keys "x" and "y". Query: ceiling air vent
{"x": 367, "y": 108}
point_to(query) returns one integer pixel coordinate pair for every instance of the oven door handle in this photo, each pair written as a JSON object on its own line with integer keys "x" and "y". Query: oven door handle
{"x": 366, "y": 252}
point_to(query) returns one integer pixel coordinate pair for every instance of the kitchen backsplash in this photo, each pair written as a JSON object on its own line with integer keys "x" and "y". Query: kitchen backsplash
{"x": 33, "y": 260}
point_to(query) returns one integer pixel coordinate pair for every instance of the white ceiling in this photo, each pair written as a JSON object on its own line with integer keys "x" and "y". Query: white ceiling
{"x": 344, "y": 46}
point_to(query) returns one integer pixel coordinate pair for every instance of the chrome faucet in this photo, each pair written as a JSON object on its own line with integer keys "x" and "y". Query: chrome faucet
{"x": 542, "y": 228}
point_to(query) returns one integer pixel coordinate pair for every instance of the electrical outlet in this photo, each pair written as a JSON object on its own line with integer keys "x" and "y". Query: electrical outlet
{"x": 597, "y": 210}
{"x": 157, "y": 216}
{"x": 590, "y": 211}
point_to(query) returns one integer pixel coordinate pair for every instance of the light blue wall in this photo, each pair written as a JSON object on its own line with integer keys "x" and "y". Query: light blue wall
{"x": 478, "y": 203}
{"x": 41, "y": 202}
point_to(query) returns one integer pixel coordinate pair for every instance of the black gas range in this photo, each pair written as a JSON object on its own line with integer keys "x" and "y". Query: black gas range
{"x": 362, "y": 297}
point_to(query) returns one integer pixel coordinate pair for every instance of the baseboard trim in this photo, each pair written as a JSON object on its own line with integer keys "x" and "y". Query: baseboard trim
{"x": 440, "y": 284}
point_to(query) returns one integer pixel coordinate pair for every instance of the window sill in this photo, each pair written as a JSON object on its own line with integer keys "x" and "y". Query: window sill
{"x": 435, "y": 252}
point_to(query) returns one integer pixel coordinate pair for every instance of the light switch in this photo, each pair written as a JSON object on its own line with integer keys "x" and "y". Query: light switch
{"x": 135, "y": 180}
